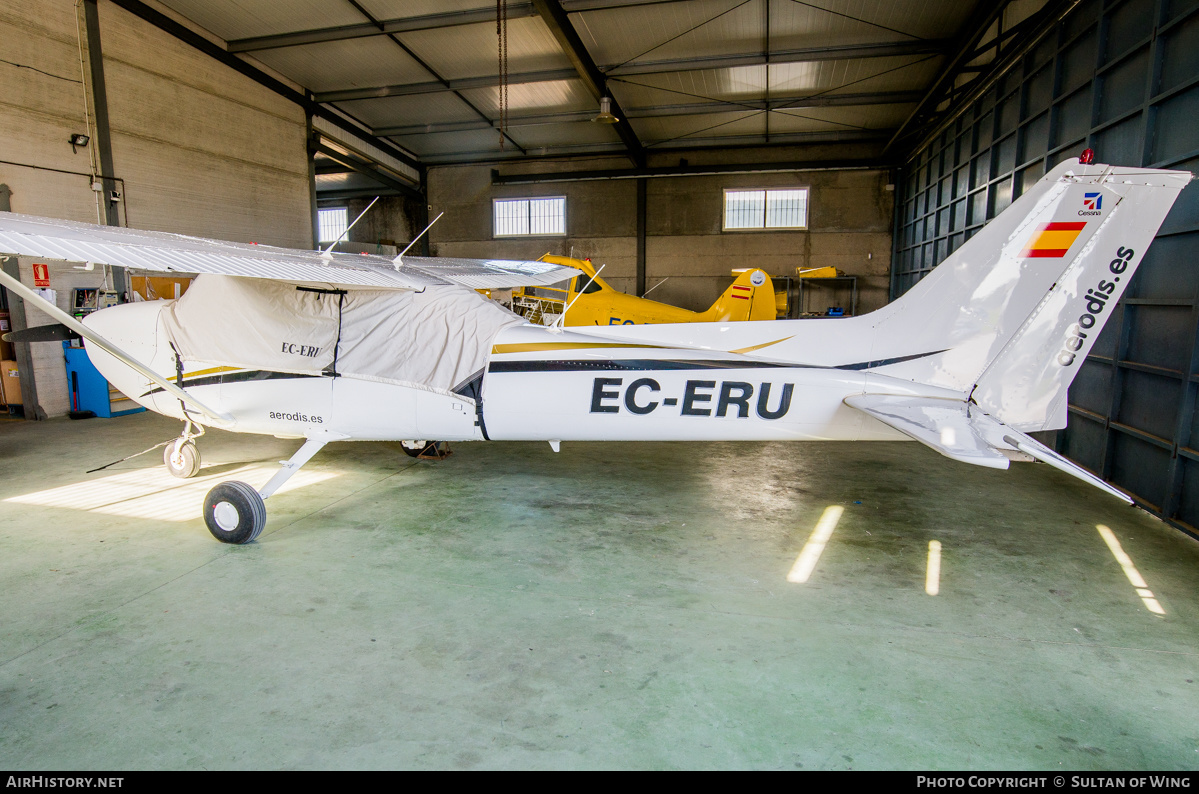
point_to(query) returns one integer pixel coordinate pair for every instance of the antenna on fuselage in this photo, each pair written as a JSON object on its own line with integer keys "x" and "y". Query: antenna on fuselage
{"x": 561, "y": 321}
{"x": 327, "y": 254}
{"x": 399, "y": 260}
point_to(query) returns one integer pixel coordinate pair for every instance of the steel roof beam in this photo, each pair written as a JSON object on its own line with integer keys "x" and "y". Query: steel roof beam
{"x": 656, "y": 67}
{"x": 832, "y": 53}
{"x": 339, "y": 194}
{"x": 684, "y": 170}
{"x": 661, "y": 111}
{"x": 368, "y": 170}
{"x": 409, "y": 89}
{"x": 447, "y": 19}
{"x": 556, "y": 19}
{"x": 984, "y": 15}
{"x": 678, "y": 146}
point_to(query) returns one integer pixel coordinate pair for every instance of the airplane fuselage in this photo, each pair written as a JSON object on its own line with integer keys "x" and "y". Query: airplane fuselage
{"x": 539, "y": 384}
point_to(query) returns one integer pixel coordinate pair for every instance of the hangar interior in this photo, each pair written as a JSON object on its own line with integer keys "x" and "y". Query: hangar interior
{"x": 613, "y": 604}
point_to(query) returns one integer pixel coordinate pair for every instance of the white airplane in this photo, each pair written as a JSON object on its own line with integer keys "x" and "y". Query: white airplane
{"x": 347, "y": 347}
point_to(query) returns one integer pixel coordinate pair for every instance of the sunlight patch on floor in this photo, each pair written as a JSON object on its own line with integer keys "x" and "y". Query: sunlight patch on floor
{"x": 805, "y": 563}
{"x": 932, "y": 575}
{"x": 1130, "y": 570}
{"x": 155, "y": 494}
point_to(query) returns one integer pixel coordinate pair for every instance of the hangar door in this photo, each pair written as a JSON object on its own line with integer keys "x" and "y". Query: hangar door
{"x": 1121, "y": 77}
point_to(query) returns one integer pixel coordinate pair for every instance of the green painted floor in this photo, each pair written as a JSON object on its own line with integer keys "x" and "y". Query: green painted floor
{"x": 610, "y": 606}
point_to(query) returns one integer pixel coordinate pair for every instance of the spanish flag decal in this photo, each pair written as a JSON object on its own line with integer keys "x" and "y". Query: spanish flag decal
{"x": 1053, "y": 239}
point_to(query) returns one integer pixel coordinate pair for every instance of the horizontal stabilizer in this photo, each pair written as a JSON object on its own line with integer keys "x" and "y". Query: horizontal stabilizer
{"x": 944, "y": 425}
{"x": 961, "y": 431}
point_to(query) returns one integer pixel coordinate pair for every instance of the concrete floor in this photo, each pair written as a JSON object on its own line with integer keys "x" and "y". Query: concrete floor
{"x": 614, "y": 605}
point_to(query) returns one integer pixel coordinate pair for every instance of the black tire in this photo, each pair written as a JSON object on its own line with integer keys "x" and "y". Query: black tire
{"x": 418, "y": 449}
{"x": 234, "y": 512}
{"x": 189, "y": 465}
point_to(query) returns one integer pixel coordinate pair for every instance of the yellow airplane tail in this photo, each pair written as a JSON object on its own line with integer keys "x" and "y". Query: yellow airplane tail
{"x": 750, "y": 298}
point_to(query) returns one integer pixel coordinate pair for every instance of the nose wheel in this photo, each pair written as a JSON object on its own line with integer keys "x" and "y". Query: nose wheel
{"x": 182, "y": 459}
{"x": 181, "y": 456}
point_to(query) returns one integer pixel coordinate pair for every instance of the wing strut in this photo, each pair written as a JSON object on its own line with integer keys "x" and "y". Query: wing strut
{"x": 109, "y": 348}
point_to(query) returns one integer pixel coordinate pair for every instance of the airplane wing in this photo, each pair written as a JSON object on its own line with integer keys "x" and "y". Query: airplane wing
{"x": 47, "y": 238}
{"x": 960, "y": 430}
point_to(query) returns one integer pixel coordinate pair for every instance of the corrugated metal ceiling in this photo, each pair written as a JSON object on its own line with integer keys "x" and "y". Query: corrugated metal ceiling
{"x": 235, "y": 19}
{"x": 395, "y": 111}
{"x": 333, "y": 65}
{"x": 423, "y": 73}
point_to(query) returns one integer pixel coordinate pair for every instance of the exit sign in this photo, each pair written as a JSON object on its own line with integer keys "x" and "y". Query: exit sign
{"x": 41, "y": 275}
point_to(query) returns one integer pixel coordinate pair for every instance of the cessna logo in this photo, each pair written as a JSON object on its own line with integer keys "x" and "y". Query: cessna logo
{"x": 301, "y": 350}
{"x": 1092, "y": 204}
{"x": 734, "y": 399}
{"x": 1096, "y": 301}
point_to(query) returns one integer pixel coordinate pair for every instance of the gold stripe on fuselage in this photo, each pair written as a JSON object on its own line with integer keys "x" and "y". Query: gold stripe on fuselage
{"x": 537, "y": 347}
{"x": 751, "y": 348}
{"x": 200, "y": 373}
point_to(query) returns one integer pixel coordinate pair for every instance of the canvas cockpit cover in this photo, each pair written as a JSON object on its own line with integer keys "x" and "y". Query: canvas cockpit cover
{"x": 434, "y": 339}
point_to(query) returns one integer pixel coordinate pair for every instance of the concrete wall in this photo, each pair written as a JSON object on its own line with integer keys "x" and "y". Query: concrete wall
{"x": 850, "y": 218}
{"x": 385, "y": 229}
{"x": 40, "y": 109}
{"x": 202, "y": 149}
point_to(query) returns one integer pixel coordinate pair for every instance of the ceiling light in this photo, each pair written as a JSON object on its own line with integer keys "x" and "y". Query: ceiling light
{"x": 605, "y": 115}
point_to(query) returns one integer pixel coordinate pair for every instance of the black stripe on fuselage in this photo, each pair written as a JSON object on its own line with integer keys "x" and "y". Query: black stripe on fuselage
{"x": 624, "y": 365}
{"x": 659, "y": 365}
{"x": 235, "y": 377}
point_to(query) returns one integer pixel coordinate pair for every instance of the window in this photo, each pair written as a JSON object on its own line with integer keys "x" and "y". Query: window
{"x": 331, "y": 224}
{"x": 782, "y": 208}
{"x": 530, "y": 217}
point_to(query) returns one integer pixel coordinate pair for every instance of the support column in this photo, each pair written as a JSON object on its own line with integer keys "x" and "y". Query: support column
{"x": 641, "y": 236}
{"x": 310, "y": 143}
{"x": 422, "y": 212}
{"x": 103, "y": 141}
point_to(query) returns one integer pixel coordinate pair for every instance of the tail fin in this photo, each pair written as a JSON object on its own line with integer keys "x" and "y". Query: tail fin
{"x": 1016, "y": 309}
{"x": 751, "y": 297}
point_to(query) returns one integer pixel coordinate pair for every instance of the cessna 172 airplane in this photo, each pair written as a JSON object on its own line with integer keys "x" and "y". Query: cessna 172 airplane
{"x": 343, "y": 347}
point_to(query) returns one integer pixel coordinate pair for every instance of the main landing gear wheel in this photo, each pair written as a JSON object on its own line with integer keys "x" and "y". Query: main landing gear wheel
{"x": 414, "y": 449}
{"x": 234, "y": 512}
{"x": 184, "y": 465}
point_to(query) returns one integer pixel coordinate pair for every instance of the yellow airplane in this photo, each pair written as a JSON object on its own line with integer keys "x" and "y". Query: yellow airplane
{"x": 751, "y": 297}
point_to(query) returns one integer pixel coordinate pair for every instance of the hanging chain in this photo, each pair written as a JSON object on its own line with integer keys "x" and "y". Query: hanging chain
{"x": 501, "y": 35}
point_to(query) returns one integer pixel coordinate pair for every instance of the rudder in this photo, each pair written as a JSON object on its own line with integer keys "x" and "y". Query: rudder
{"x": 751, "y": 297}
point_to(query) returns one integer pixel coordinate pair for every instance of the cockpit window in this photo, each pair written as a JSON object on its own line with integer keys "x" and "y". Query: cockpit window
{"x": 582, "y": 286}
